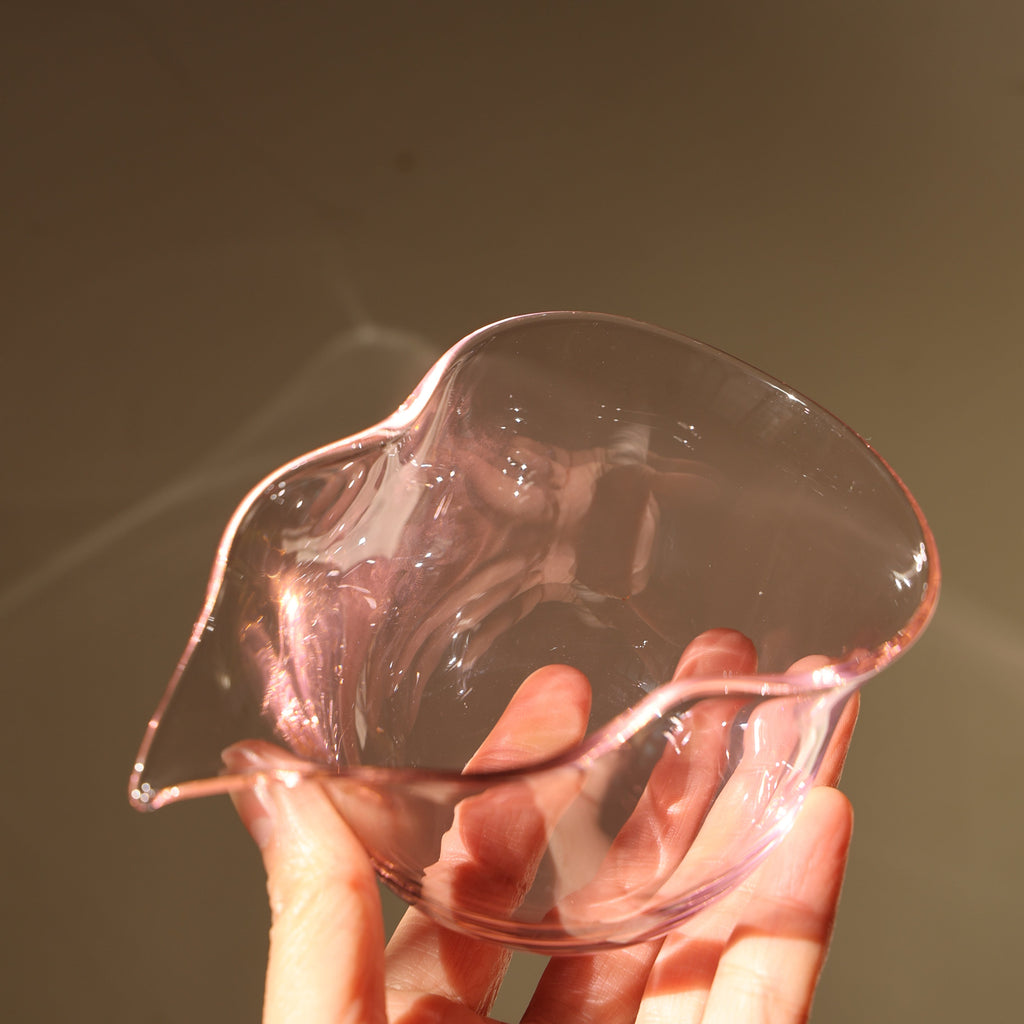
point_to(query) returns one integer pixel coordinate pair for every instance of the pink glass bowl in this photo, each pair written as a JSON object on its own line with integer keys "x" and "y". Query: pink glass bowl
{"x": 564, "y": 639}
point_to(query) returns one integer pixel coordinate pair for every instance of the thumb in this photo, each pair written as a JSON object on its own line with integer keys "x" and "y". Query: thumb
{"x": 326, "y": 962}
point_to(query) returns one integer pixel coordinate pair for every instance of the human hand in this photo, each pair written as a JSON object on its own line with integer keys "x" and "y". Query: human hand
{"x": 754, "y": 955}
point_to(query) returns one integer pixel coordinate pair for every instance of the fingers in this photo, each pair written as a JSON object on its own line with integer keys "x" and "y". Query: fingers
{"x": 675, "y": 826}
{"x": 770, "y": 967}
{"x": 607, "y": 987}
{"x": 756, "y": 955}
{"x": 326, "y": 938}
{"x": 676, "y": 796}
{"x": 682, "y": 978}
{"x": 763, "y": 783}
{"x": 493, "y": 847}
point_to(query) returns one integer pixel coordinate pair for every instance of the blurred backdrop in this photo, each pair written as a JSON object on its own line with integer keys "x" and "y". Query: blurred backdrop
{"x": 234, "y": 231}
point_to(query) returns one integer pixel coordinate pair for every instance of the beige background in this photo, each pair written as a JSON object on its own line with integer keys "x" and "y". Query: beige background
{"x": 231, "y": 231}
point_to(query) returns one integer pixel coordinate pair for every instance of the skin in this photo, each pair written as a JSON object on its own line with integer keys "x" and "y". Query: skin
{"x": 753, "y": 956}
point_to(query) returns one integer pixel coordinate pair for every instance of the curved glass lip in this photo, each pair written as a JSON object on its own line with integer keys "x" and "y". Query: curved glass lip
{"x": 838, "y": 678}
{"x": 550, "y": 938}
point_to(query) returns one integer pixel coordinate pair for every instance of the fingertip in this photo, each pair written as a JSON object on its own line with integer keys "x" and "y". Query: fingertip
{"x": 718, "y": 652}
{"x": 830, "y": 810}
{"x": 809, "y": 663}
{"x": 252, "y": 803}
{"x": 527, "y": 731}
{"x": 834, "y": 759}
{"x": 557, "y": 685}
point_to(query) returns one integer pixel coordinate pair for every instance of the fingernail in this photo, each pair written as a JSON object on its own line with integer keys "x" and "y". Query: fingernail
{"x": 255, "y": 805}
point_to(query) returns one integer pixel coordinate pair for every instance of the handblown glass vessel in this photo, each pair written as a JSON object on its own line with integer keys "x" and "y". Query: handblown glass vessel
{"x": 564, "y": 639}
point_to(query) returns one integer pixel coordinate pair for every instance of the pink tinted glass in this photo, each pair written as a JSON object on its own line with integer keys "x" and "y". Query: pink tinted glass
{"x": 564, "y": 639}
